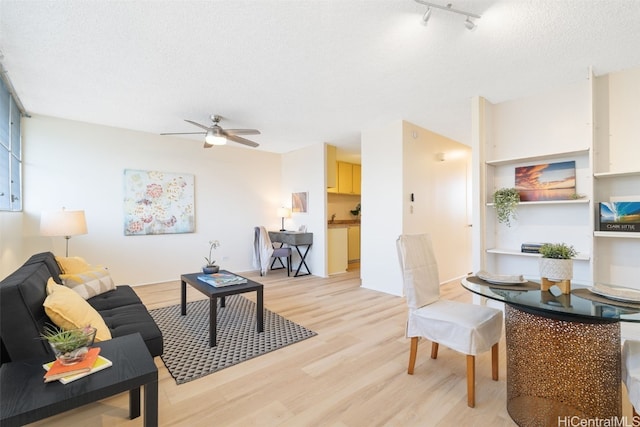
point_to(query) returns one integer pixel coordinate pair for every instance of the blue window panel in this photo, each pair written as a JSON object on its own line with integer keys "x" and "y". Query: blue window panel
{"x": 4, "y": 114}
{"x": 16, "y": 184}
{"x": 5, "y": 188}
{"x": 15, "y": 130}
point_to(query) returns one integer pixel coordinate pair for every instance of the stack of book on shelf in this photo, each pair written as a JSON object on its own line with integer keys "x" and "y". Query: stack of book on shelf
{"x": 92, "y": 362}
{"x": 531, "y": 248}
{"x": 222, "y": 279}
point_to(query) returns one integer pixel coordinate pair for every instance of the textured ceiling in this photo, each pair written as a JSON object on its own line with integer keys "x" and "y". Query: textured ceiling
{"x": 302, "y": 71}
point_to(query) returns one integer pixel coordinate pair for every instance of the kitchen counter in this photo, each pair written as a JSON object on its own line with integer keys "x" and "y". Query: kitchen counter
{"x": 343, "y": 223}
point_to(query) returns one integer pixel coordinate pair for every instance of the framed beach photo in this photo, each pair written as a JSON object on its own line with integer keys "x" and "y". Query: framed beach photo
{"x": 547, "y": 181}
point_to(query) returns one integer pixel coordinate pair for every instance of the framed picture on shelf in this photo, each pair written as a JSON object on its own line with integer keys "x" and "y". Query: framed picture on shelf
{"x": 547, "y": 181}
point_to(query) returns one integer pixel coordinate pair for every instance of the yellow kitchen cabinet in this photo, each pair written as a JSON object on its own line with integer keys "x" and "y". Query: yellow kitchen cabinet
{"x": 354, "y": 243}
{"x": 332, "y": 169}
{"x": 348, "y": 178}
{"x": 337, "y": 250}
{"x": 357, "y": 171}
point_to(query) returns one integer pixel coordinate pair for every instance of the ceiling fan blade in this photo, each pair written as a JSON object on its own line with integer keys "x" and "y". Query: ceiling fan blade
{"x": 197, "y": 124}
{"x": 183, "y": 133}
{"x": 241, "y": 140}
{"x": 242, "y": 131}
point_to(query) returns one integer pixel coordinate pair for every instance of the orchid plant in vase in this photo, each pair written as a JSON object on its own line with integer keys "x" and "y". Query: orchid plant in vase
{"x": 211, "y": 266}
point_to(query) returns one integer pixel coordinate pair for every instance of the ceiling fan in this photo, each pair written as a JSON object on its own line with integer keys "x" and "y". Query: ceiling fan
{"x": 216, "y": 135}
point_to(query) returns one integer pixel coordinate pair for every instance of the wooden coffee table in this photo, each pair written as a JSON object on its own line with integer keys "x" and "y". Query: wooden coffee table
{"x": 214, "y": 293}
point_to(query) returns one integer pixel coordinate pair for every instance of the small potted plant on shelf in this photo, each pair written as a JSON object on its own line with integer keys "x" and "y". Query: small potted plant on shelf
{"x": 70, "y": 346}
{"x": 506, "y": 200}
{"x": 556, "y": 265}
{"x": 211, "y": 266}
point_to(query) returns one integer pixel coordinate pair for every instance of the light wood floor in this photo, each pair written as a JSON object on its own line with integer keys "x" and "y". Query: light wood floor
{"x": 353, "y": 373}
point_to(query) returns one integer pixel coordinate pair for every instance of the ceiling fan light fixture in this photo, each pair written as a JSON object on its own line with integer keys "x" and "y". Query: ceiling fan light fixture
{"x": 214, "y": 139}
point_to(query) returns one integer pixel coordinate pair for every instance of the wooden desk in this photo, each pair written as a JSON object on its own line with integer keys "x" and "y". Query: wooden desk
{"x": 296, "y": 240}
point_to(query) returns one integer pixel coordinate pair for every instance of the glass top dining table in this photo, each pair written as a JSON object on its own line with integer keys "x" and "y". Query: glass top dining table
{"x": 581, "y": 304}
{"x": 563, "y": 350}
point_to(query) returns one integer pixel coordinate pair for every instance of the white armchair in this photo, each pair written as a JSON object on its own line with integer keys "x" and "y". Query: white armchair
{"x": 467, "y": 328}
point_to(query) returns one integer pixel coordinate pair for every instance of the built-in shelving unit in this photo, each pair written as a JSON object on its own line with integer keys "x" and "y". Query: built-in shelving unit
{"x": 514, "y": 252}
{"x": 616, "y": 234}
{"x": 550, "y": 202}
{"x": 539, "y": 157}
{"x": 603, "y": 175}
{"x": 593, "y": 123}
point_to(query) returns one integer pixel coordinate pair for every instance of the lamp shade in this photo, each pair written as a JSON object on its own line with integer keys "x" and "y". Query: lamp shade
{"x": 63, "y": 223}
{"x": 284, "y": 212}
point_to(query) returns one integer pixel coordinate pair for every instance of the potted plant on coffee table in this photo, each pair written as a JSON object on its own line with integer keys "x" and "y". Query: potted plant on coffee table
{"x": 556, "y": 266}
{"x": 211, "y": 266}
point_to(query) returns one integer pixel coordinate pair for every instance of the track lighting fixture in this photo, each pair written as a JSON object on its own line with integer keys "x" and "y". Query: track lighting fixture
{"x": 468, "y": 23}
{"x": 426, "y": 15}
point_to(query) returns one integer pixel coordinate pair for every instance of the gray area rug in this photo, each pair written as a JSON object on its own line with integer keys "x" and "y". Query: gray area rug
{"x": 187, "y": 354}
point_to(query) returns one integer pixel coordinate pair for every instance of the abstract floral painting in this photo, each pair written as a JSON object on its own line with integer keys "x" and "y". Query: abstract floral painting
{"x": 158, "y": 202}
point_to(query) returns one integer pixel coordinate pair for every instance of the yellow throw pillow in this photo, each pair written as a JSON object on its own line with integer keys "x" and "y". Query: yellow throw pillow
{"x": 71, "y": 265}
{"x": 89, "y": 283}
{"x": 68, "y": 310}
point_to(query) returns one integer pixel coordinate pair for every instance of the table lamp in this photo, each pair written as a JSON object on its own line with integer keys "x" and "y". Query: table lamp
{"x": 284, "y": 213}
{"x": 63, "y": 223}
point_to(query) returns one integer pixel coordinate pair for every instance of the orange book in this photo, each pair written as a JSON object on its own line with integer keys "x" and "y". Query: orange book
{"x": 58, "y": 370}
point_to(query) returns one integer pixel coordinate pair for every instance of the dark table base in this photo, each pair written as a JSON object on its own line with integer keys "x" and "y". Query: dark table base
{"x": 558, "y": 369}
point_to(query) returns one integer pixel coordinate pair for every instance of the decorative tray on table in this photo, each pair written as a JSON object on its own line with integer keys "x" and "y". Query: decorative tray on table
{"x": 501, "y": 279}
{"x": 617, "y": 293}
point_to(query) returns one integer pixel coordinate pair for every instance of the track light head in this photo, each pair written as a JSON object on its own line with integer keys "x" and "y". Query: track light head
{"x": 469, "y": 24}
{"x": 426, "y": 16}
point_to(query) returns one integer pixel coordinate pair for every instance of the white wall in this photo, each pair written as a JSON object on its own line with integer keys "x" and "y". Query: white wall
{"x": 381, "y": 221}
{"x": 439, "y": 185}
{"x": 304, "y": 171}
{"x": 399, "y": 159}
{"x": 80, "y": 166}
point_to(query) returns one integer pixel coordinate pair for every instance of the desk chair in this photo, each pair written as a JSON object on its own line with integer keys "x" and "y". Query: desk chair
{"x": 467, "y": 328}
{"x": 264, "y": 253}
{"x": 631, "y": 372}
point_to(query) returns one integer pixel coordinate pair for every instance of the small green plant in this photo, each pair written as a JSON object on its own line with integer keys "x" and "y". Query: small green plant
{"x": 557, "y": 251}
{"x": 356, "y": 211}
{"x": 66, "y": 341}
{"x": 506, "y": 202}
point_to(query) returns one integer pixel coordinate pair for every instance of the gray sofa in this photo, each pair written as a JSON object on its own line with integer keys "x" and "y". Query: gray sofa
{"x": 22, "y": 315}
